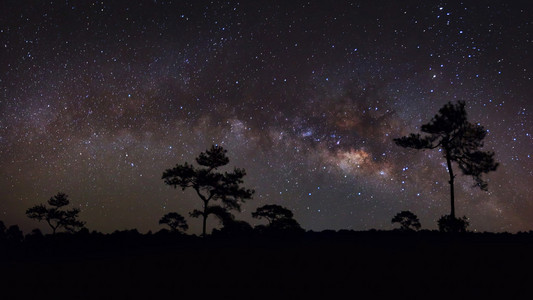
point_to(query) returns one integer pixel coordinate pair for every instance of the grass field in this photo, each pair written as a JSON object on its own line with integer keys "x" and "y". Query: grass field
{"x": 326, "y": 265}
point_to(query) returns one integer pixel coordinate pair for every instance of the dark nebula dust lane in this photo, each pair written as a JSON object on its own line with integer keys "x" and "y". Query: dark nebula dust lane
{"x": 98, "y": 98}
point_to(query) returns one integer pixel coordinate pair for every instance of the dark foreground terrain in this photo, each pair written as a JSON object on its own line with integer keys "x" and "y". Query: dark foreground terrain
{"x": 325, "y": 265}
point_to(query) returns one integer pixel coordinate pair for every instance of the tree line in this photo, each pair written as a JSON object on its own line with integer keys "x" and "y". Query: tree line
{"x": 221, "y": 193}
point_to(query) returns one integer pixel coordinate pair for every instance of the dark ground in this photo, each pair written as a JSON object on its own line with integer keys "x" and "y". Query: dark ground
{"x": 325, "y": 265}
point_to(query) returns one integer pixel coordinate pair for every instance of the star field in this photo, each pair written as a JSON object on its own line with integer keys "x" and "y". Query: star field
{"x": 98, "y": 98}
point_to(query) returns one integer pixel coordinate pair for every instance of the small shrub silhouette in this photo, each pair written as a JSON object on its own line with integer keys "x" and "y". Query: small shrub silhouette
{"x": 448, "y": 223}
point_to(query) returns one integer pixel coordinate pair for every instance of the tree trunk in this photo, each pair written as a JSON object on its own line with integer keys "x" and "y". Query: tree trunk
{"x": 52, "y": 226}
{"x": 204, "y": 221}
{"x": 452, "y": 177}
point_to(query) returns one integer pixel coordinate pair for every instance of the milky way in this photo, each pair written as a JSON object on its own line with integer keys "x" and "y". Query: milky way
{"x": 99, "y": 98}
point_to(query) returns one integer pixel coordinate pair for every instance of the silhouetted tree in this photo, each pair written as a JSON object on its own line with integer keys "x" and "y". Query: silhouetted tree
{"x": 448, "y": 223}
{"x": 236, "y": 227}
{"x": 459, "y": 141}
{"x": 83, "y": 232}
{"x": 230, "y": 226}
{"x": 286, "y": 224}
{"x": 208, "y": 184}
{"x": 408, "y": 220}
{"x": 222, "y": 214}
{"x": 14, "y": 234}
{"x": 175, "y": 221}
{"x": 34, "y": 235}
{"x": 272, "y": 213}
{"x": 2, "y": 230}
{"x": 55, "y": 216}
{"x": 36, "y": 232}
{"x": 278, "y": 217}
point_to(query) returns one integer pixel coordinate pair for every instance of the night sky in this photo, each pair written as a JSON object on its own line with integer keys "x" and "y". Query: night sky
{"x": 98, "y": 98}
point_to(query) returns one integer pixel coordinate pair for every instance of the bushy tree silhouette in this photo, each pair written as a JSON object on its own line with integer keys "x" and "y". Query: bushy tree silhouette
{"x": 230, "y": 226}
{"x": 272, "y": 213}
{"x": 14, "y": 234}
{"x": 459, "y": 141}
{"x": 210, "y": 185}
{"x": 448, "y": 223}
{"x": 278, "y": 217}
{"x": 236, "y": 228}
{"x": 408, "y": 220}
{"x": 175, "y": 221}
{"x": 35, "y": 235}
{"x": 55, "y": 216}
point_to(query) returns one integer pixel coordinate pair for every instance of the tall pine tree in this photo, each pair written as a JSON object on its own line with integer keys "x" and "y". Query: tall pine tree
{"x": 460, "y": 142}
